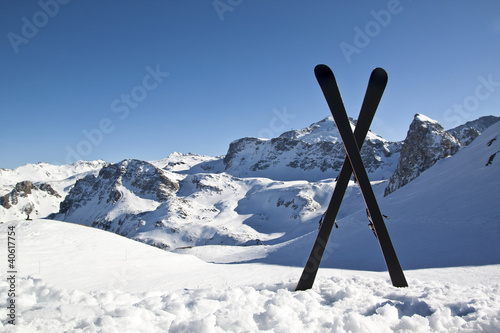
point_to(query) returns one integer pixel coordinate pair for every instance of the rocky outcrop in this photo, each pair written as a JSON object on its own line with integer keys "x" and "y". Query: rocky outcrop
{"x": 425, "y": 144}
{"x": 24, "y": 189}
{"x": 141, "y": 178}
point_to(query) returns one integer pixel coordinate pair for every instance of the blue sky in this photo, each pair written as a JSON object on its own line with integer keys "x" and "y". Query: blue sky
{"x": 141, "y": 79}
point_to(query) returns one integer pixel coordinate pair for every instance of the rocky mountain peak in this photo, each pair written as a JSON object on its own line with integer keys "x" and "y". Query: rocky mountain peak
{"x": 323, "y": 130}
{"x": 426, "y": 142}
{"x": 139, "y": 177}
{"x": 312, "y": 153}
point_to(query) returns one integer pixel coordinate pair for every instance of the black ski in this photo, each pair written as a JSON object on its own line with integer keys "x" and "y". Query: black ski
{"x": 374, "y": 91}
{"x": 330, "y": 89}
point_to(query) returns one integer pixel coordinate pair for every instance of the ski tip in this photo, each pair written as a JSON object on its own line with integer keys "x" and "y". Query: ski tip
{"x": 322, "y": 70}
{"x": 320, "y": 66}
{"x": 380, "y": 73}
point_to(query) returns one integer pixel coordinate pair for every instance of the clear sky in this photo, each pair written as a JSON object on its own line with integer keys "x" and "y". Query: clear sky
{"x": 141, "y": 79}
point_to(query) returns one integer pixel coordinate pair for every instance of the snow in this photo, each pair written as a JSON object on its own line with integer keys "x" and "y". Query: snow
{"x": 44, "y": 204}
{"x": 443, "y": 224}
{"x": 326, "y": 130}
{"x": 72, "y": 278}
{"x": 178, "y": 162}
{"x": 425, "y": 119}
{"x": 60, "y": 176}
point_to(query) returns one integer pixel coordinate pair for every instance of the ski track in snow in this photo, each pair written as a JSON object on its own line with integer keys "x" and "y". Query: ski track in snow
{"x": 107, "y": 283}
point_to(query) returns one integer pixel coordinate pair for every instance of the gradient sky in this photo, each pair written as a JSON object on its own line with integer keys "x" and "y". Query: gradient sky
{"x": 141, "y": 79}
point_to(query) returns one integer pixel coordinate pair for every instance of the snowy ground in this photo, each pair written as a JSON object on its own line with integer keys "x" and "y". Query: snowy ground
{"x": 72, "y": 278}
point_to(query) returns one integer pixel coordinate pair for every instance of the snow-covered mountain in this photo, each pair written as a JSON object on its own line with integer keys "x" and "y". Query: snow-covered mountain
{"x": 270, "y": 192}
{"x": 213, "y": 201}
{"x": 427, "y": 142}
{"x": 140, "y": 201}
{"x": 38, "y": 189}
{"x": 467, "y": 132}
{"x": 26, "y": 198}
{"x": 45, "y": 172}
{"x": 312, "y": 153}
{"x": 130, "y": 187}
{"x": 238, "y": 240}
{"x": 448, "y": 216}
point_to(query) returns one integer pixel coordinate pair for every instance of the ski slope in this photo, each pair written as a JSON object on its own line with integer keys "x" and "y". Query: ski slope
{"x": 73, "y": 278}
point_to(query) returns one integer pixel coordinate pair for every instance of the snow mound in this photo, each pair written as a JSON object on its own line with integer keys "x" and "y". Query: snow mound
{"x": 334, "y": 305}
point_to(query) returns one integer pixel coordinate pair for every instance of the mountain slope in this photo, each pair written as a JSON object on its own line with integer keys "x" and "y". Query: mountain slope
{"x": 467, "y": 132}
{"x": 454, "y": 204}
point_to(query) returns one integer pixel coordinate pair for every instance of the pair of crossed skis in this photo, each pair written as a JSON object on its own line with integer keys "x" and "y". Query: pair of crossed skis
{"x": 352, "y": 164}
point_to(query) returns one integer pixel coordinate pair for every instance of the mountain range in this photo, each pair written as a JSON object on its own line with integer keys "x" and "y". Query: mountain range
{"x": 267, "y": 195}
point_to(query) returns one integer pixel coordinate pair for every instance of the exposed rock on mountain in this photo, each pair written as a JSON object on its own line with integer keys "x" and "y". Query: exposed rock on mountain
{"x": 24, "y": 189}
{"x": 312, "y": 153}
{"x": 262, "y": 192}
{"x": 25, "y": 198}
{"x": 425, "y": 143}
{"x": 467, "y": 132}
{"x": 115, "y": 181}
